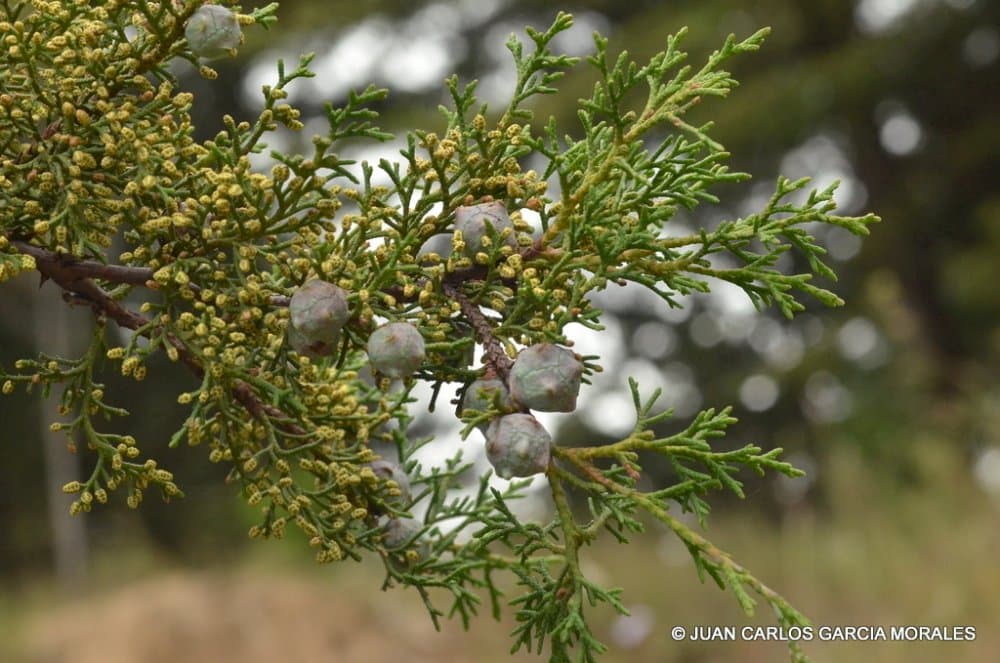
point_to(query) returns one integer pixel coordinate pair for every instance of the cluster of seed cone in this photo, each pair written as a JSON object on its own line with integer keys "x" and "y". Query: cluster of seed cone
{"x": 318, "y": 310}
{"x": 545, "y": 378}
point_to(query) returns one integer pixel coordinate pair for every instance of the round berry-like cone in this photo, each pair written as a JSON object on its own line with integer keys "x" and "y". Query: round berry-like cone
{"x": 517, "y": 445}
{"x": 546, "y": 377}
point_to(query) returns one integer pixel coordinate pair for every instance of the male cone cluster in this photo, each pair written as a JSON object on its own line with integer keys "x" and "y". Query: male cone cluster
{"x": 318, "y": 311}
{"x": 387, "y": 470}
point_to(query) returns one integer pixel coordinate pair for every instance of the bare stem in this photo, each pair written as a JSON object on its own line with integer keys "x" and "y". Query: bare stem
{"x": 73, "y": 268}
{"x": 496, "y": 357}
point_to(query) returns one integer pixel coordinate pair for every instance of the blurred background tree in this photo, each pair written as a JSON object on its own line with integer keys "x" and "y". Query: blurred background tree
{"x": 892, "y": 403}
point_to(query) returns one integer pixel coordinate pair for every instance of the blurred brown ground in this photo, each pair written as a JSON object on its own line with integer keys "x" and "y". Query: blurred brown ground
{"x": 920, "y": 565}
{"x": 221, "y": 617}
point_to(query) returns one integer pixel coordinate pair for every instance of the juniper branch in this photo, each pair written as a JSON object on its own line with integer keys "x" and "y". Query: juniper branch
{"x": 76, "y": 277}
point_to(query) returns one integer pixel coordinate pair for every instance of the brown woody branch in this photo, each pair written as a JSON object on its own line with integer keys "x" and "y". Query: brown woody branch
{"x": 75, "y": 269}
{"x": 74, "y": 276}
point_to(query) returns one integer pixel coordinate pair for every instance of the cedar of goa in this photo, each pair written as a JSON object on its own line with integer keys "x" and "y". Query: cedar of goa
{"x": 298, "y": 298}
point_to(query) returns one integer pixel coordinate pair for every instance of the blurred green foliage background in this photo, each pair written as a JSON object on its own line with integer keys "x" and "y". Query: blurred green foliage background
{"x": 892, "y": 403}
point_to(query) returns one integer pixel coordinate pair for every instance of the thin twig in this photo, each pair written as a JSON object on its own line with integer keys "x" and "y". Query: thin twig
{"x": 496, "y": 358}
